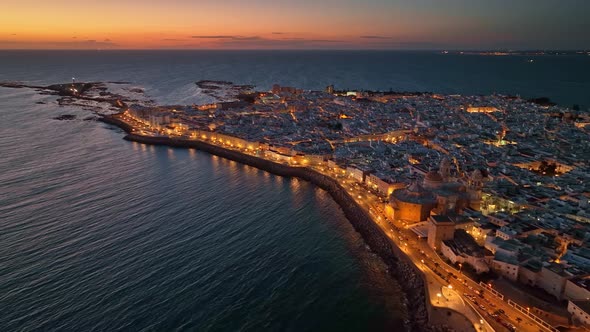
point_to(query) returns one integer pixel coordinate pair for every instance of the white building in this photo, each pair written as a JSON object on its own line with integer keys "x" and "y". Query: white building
{"x": 463, "y": 249}
{"x": 577, "y": 289}
{"x": 580, "y": 311}
{"x": 506, "y": 233}
{"x": 553, "y": 278}
{"x": 277, "y": 156}
{"x": 382, "y": 186}
{"x": 355, "y": 173}
{"x": 506, "y": 266}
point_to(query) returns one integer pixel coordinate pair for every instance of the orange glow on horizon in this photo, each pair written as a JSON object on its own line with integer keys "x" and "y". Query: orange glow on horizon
{"x": 268, "y": 24}
{"x": 158, "y": 24}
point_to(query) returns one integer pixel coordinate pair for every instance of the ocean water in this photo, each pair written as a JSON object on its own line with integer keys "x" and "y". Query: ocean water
{"x": 169, "y": 76}
{"x": 101, "y": 234}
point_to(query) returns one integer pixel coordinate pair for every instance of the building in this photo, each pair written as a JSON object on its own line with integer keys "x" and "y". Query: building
{"x": 433, "y": 180}
{"x": 506, "y": 233}
{"x": 440, "y": 228}
{"x": 278, "y": 156}
{"x": 486, "y": 109}
{"x": 412, "y": 204}
{"x": 270, "y": 99}
{"x": 452, "y": 196}
{"x": 553, "y": 278}
{"x": 481, "y": 230}
{"x": 382, "y": 186}
{"x": 463, "y": 249}
{"x": 277, "y": 89}
{"x": 577, "y": 288}
{"x": 474, "y": 188}
{"x": 506, "y": 266}
{"x": 159, "y": 120}
{"x": 580, "y": 311}
{"x": 506, "y": 247}
{"x": 529, "y": 272}
{"x": 356, "y": 173}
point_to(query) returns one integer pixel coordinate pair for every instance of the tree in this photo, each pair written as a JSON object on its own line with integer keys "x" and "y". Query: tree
{"x": 576, "y": 107}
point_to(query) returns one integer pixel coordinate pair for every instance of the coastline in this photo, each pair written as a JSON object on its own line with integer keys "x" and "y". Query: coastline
{"x": 408, "y": 276}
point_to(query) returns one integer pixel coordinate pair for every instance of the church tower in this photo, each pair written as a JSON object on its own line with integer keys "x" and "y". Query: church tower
{"x": 445, "y": 169}
{"x": 474, "y": 189}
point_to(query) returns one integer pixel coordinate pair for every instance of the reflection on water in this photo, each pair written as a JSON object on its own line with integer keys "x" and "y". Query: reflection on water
{"x": 192, "y": 153}
{"x": 170, "y": 153}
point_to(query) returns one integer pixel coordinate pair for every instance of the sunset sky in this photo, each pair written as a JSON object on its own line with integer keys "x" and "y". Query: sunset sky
{"x": 295, "y": 24}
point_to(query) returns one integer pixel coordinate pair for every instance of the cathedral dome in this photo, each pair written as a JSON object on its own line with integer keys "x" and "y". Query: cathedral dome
{"x": 414, "y": 193}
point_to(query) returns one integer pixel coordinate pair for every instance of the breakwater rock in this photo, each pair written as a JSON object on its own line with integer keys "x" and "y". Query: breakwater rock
{"x": 400, "y": 267}
{"x": 65, "y": 117}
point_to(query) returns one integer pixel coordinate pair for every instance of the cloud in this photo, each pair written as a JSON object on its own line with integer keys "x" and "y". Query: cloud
{"x": 214, "y": 37}
{"x": 278, "y": 33}
{"x": 75, "y": 44}
{"x": 256, "y": 42}
{"x": 375, "y": 37}
{"x": 326, "y": 40}
{"x": 248, "y": 38}
{"x": 230, "y": 37}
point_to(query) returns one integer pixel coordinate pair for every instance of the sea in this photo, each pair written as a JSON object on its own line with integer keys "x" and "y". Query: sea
{"x": 102, "y": 234}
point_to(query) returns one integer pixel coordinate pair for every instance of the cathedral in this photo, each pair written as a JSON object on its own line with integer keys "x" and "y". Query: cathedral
{"x": 440, "y": 193}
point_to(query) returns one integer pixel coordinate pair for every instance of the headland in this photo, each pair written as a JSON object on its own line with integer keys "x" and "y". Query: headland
{"x": 450, "y": 191}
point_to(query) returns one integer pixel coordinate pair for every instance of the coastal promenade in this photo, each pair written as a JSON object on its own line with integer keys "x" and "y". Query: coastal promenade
{"x": 433, "y": 298}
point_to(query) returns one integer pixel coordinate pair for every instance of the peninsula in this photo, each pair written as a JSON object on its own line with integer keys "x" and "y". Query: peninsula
{"x": 470, "y": 200}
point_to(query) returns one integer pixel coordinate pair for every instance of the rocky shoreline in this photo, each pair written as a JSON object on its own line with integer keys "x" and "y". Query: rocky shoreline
{"x": 409, "y": 278}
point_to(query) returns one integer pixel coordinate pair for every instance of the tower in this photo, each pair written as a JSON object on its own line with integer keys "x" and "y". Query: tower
{"x": 276, "y": 89}
{"x": 445, "y": 169}
{"x": 474, "y": 188}
{"x": 440, "y": 228}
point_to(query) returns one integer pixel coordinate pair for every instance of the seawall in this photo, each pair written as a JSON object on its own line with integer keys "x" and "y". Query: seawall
{"x": 409, "y": 278}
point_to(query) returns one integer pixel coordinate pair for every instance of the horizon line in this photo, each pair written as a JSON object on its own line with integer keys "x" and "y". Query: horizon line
{"x": 303, "y": 49}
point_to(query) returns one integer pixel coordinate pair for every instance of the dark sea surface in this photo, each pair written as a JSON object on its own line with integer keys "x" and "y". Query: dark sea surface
{"x": 101, "y": 234}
